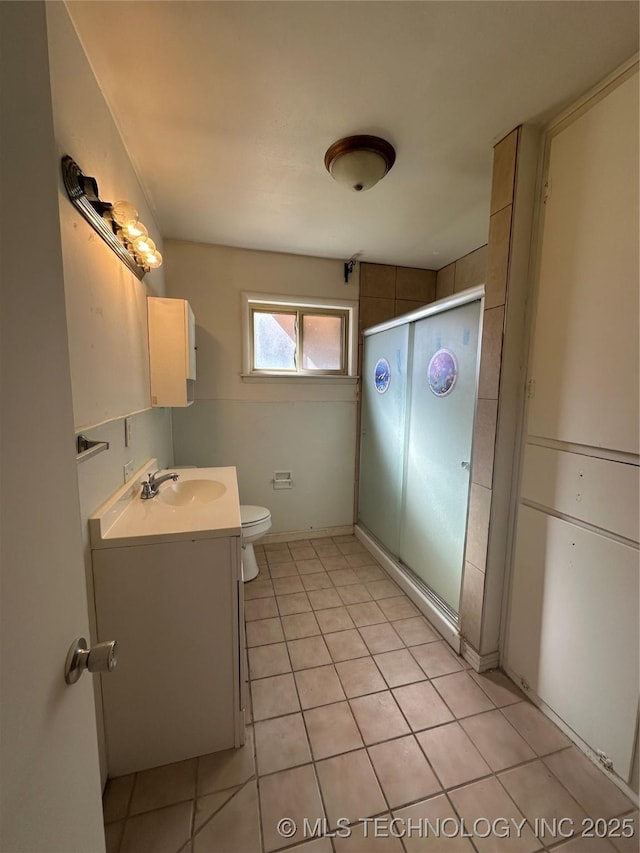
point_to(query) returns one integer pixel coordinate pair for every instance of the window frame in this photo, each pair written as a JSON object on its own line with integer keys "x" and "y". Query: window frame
{"x": 345, "y": 309}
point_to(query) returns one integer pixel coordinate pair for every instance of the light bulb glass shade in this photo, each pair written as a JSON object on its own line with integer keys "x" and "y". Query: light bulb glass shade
{"x": 152, "y": 260}
{"x": 359, "y": 170}
{"x": 124, "y": 213}
{"x": 143, "y": 245}
{"x": 133, "y": 231}
{"x": 358, "y": 162}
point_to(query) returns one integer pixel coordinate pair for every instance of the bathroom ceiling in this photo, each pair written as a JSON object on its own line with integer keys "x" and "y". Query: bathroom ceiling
{"x": 227, "y": 109}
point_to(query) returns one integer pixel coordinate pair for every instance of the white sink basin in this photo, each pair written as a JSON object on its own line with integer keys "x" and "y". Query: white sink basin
{"x": 202, "y": 504}
{"x": 190, "y": 492}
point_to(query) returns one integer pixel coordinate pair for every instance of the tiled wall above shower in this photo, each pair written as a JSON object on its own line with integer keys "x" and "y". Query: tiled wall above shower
{"x": 387, "y": 291}
{"x": 468, "y": 271}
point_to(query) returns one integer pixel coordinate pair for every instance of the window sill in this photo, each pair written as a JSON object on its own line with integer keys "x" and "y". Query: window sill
{"x": 300, "y": 380}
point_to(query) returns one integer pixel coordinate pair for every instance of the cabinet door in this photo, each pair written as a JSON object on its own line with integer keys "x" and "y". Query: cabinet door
{"x": 573, "y": 632}
{"x": 585, "y": 362}
{"x": 172, "y": 357}
{"x": 191, "y": 342}
{"x": 172, "y": 607}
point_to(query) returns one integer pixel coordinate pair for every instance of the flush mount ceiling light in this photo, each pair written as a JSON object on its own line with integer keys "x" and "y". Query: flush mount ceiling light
{"x": 359, "y": 162}
{"x": 117, "y": 224}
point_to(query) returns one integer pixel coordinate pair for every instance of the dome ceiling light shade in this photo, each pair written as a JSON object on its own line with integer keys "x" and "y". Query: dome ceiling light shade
{"x": 359, "y": 162}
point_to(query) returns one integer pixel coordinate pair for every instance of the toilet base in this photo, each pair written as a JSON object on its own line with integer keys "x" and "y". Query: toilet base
{"x": 250, "y": 566}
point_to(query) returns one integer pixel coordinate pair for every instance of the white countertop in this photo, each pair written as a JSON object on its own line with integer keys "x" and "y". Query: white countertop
{"x": 125, "y": 519}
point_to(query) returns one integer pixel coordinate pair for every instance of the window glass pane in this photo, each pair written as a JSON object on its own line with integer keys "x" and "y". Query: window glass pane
{"x": 321, "y": 342}
{"x": 274, "y": 341}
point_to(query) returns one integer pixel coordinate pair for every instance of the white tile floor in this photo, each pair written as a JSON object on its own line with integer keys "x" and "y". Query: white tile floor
{"x": 360, "y": 710}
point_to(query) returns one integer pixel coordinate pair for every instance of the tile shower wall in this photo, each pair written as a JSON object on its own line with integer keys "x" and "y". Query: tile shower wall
{"x": 468, "y": 271}
{"x": 388, "y": 291}
{"x": 497, "y": 395}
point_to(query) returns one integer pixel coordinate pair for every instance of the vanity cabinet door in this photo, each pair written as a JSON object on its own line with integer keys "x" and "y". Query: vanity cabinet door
{"x": 173, "y": 609}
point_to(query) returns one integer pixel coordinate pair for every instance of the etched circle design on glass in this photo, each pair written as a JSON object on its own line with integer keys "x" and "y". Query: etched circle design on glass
{"x": 442, "y": 372}
{"x": 382, "y": 375}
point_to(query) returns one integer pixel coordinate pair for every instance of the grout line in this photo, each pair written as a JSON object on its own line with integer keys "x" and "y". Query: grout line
{"x": 306, "y": 731}
{"x": 239, "y": 788}
{"x": 257, "y": 776}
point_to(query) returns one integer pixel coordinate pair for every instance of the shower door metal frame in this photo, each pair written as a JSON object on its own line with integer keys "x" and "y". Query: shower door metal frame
{"x": 428, "y": 601}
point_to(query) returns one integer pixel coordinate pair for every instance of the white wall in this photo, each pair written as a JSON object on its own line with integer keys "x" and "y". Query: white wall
{"x": 264, "y": 425}
{"x": 105, "y": 303}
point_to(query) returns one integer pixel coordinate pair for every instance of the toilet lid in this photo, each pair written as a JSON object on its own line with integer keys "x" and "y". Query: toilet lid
{"x": 250, "y": 515}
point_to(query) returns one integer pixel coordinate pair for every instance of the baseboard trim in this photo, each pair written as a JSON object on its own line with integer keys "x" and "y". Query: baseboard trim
{"x": 576, "y": 739}
{"x": 316, "y": 533}
{"x": 438, "y": 620}
{"x": 480, "y": 663}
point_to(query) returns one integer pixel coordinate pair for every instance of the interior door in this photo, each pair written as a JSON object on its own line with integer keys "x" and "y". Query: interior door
{"x": 443, "y": 391}
{"x": 50, "y": 778}
{"x": 384, "y": 391}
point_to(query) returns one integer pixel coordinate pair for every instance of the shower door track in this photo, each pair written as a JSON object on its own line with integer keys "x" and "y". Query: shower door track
{"x": 432, "y": 607}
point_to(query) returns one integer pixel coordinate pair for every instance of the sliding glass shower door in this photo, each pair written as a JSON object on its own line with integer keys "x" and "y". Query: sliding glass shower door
{"x": 418, "y": 405}
{"x": 438, "y": 453}
{"x": 382, "y": 434}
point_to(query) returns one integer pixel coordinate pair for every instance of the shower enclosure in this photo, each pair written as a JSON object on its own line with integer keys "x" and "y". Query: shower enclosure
{"x": 419, "y": 388}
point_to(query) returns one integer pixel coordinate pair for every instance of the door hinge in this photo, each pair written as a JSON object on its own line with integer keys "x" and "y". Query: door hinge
{"x": 546, "y": 191}
{"x": 531, "y": 389}
{"x": 604, "y": 759}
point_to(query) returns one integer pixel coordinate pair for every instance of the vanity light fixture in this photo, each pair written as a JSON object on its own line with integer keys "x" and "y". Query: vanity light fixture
{"x": 117, "y": 223}
{"x": 359, "y": 162}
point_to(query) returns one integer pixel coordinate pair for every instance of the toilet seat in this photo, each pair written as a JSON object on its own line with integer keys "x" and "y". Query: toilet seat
{"x": 252, "y": 515}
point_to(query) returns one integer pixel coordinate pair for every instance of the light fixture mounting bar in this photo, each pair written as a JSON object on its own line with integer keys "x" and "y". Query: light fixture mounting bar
{"x": 83, "y": 194}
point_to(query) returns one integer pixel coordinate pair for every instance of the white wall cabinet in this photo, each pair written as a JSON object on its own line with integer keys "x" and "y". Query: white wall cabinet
{"x": 172, "y": 351}
{"x": 174, "y": 609}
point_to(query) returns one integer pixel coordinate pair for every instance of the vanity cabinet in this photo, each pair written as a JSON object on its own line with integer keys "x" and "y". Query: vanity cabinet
{"x": 174, "y": 608}
{"x": 172, "y": 351}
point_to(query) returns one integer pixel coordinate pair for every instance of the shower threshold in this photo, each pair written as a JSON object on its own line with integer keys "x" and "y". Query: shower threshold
{"x": 432, "y": 607}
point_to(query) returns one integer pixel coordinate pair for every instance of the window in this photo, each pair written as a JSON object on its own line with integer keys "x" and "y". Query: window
{"x": 287, "y": 337}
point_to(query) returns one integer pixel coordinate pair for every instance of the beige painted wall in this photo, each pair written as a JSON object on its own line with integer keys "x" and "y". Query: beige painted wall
{"x": 106, "y": 303}
{"x": 264, "y": 425}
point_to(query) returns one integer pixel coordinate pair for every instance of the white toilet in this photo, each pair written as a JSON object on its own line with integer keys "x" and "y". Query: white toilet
{"x": 256, "y": 521}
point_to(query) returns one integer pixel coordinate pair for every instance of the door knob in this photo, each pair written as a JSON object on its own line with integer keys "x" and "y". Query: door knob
{"x": 100, "y": 658}
{"x": 466, "y": 465}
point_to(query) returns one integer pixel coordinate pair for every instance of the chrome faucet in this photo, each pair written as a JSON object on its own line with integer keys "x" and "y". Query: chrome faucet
{"x": 151, "y": 486}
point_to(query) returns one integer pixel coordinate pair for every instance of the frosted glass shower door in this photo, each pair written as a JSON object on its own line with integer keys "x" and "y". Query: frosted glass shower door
{"x": 382, "y": 437}
{"x": 443, "y": 396}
